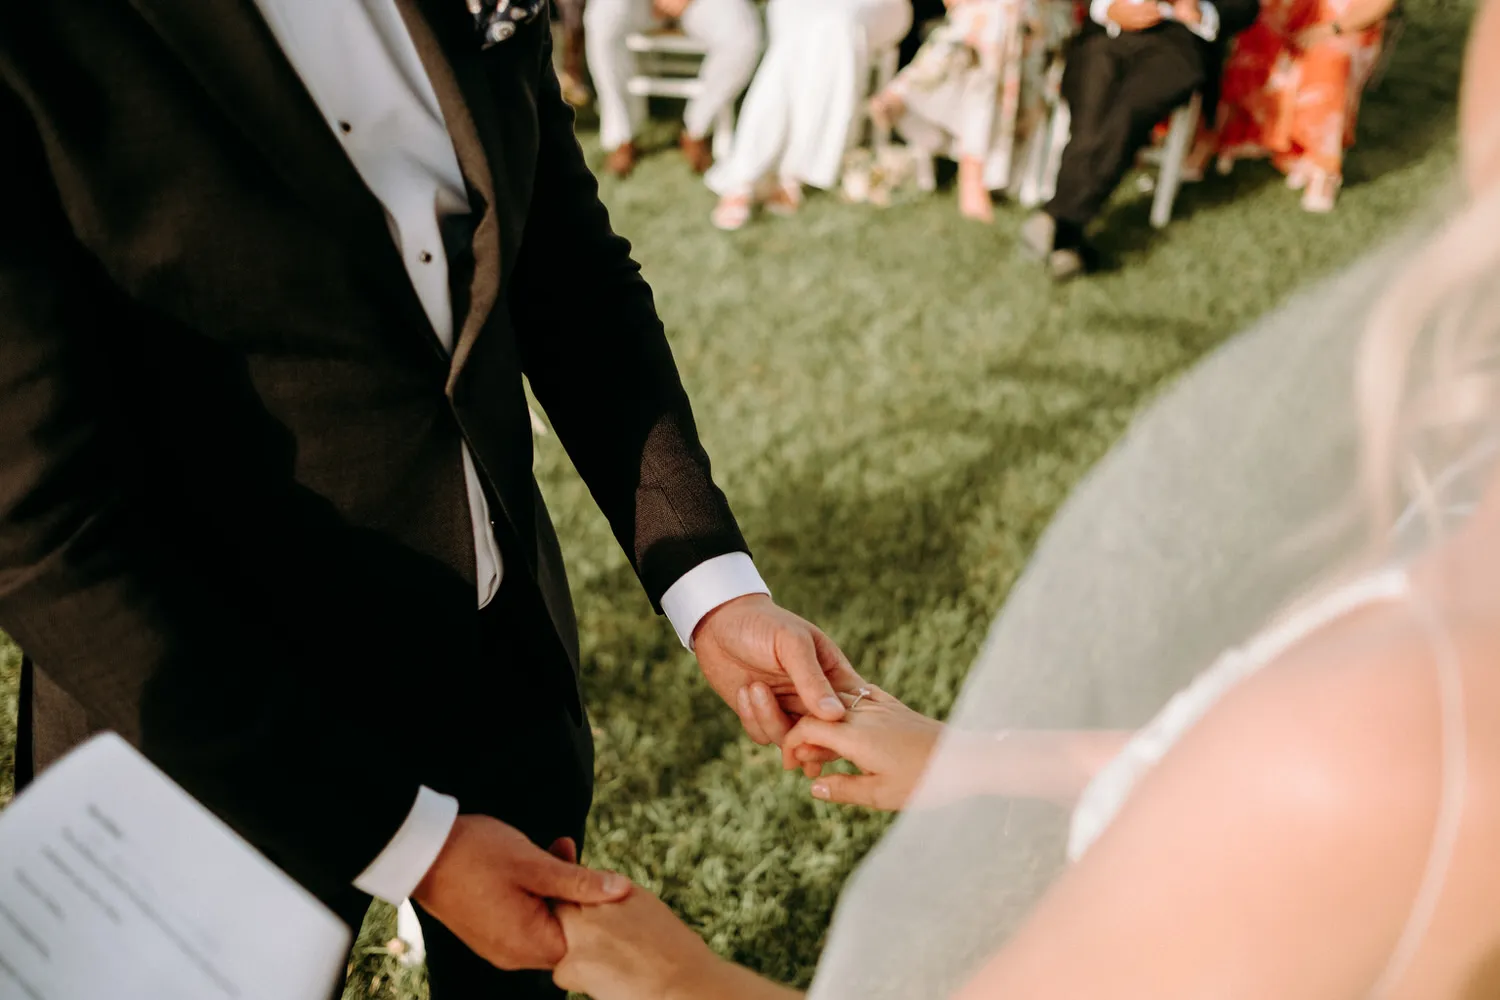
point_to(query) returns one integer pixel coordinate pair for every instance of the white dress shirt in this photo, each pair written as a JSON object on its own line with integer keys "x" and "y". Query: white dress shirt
{"x": 362, "y": 70}
{"x": 1207, "y": 27}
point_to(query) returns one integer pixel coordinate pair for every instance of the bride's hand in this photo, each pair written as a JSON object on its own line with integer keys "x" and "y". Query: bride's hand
{"x": 887, "y": 741}
{"x": 633, "y": 950}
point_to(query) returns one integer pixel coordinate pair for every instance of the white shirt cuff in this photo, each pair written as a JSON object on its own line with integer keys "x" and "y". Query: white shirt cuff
{"x": 1207, "y": 27}
{"x": 711, "y": 583}
{"x": 1099, "y": 11}
{"x": 400, "y": 868}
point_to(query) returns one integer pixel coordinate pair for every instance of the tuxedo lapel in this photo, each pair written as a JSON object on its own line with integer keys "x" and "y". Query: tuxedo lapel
{"x": 230, "y": 50}
{"x": 448, "y": 45}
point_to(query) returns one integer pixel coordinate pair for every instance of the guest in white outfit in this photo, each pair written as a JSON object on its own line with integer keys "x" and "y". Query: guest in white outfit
{"x": 730, "y": 29}
{"x": 795, "y": 125}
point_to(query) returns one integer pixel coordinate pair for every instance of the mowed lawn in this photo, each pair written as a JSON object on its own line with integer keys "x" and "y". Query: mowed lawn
{"x": 896, "y": 402}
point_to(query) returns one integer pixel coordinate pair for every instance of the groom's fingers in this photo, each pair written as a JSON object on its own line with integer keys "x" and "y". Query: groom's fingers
{"x": 551, "y": 878}
{"x": 746, "y": 711}
{"x": 836, "y": 666}
{"x": 773, "y": 722}
{"x": 797, "y": 653}
{"x": 564, "y": 849}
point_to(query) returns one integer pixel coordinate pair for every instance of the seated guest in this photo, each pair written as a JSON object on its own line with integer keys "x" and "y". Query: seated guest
{"x": 1133, "y": 63}
{"x": 1292, "y": 87}
{"x": 729, "y": 29}
{"x": 804, "y": 102}
{"x": 976, "y": 86}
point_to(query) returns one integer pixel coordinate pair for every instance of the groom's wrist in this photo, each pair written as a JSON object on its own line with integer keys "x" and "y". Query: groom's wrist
{"x": 709, "y": 586}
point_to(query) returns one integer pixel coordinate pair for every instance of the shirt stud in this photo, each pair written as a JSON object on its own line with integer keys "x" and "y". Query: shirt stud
{"x": 425, "y": 257}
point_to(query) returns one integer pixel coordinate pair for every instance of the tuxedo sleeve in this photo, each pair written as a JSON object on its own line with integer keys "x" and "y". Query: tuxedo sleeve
{"x": 101, "y": 590}
{"x": 597, "y": 357}
{"x": 1235, "y": 16}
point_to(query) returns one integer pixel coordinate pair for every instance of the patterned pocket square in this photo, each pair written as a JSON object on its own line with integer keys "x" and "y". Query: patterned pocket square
{"x": 497, "y": 20}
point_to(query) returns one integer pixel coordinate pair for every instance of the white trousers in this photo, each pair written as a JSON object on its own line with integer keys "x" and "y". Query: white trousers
{"x": 729, "y": 29}
{"x": 806, "y": 96}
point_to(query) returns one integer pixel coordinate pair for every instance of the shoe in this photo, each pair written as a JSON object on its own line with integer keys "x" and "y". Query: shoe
{"x": 1322, "y": 192}
{"x": 1038, "y": 235}
{"x": 699, "y": 153}
{"x": 1065, "y": 265}
{"x": 732, "y": 213}
{"x": 573, "y": 90}
{"x": 622, "y": 160}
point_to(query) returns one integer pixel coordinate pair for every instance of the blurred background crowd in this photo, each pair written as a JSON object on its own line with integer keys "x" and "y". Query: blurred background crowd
{"x": 1049, "y": 102}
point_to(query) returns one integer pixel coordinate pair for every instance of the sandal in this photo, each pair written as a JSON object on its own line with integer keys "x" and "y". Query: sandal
{"x": 1322, "y": 192}
{"x": 732, "y": 213}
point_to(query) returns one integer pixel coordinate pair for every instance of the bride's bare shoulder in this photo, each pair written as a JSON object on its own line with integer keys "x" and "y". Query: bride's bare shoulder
{"x": 1332, "y": 759}
{"x": 1351, "y": 721}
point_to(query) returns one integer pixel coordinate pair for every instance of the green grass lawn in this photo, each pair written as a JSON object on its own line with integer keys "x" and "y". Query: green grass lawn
{"x": 896, "y": 402}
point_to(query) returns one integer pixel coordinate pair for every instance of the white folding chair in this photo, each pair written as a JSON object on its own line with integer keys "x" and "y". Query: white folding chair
{"x": 667, "y": 65}
{"x": 1038, "y": 182}
{"x": 1174, "y": 151}
{"x": 1169, "y": 158}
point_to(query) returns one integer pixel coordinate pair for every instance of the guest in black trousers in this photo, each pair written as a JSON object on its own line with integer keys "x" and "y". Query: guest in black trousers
{"x": 1133, "y": 62}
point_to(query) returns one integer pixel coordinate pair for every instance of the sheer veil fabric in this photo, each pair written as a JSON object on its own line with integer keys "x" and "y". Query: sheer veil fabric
{"x": 1231, "y": 497}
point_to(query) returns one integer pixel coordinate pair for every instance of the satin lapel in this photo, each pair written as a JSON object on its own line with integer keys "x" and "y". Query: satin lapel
{"x": 227, "y": 46}
{"x": 448, "y": 45}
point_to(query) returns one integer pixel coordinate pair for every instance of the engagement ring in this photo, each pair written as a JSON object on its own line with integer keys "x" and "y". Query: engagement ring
{"x": 859, "y": 696}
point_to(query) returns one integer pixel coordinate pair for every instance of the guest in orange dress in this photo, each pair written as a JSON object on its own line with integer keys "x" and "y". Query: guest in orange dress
{"x": 1292, "y": 87}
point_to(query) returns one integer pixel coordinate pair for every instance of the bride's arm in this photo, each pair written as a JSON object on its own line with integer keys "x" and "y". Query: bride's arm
{"x": 1275, "y": 851}
{"x": 639, "y": 950}
{"x": 893, "y": 747}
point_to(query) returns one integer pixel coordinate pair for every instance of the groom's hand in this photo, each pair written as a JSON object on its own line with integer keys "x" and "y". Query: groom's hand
{"x": 490, "y": 886}
{"x": 751, "y": 641}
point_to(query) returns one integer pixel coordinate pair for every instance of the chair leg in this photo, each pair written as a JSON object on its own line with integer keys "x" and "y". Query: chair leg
{"x": 1058, "y": 134}
{"x": 926, "y": 170}
{"x": 1173, "y": 155}
{"x": 640, "y": 109}
{"x": 885, "y": 72}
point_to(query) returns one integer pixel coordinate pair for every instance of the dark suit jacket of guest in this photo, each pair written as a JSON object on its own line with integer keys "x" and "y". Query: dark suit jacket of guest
{"x": 233, "y": 522}
{"x": 1234, "y": 17}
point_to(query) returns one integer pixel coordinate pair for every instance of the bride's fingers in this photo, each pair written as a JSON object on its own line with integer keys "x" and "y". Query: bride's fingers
{"x": 850, "y": 789}
{"x": 840, "y": 738}
{"x": 807, "y": 756}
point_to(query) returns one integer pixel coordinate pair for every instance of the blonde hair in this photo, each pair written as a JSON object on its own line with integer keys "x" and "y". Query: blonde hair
{"x": 1427, "y": 379}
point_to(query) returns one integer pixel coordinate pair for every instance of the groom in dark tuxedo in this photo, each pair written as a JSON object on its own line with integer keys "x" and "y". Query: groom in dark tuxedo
{"x": 1132, "y": 64}
{"x": 271, "y": 274}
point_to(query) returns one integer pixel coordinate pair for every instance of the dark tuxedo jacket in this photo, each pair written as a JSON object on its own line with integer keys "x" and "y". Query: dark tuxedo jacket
{"x": 1234, "y": 17}
{"x": 233, "y": 522}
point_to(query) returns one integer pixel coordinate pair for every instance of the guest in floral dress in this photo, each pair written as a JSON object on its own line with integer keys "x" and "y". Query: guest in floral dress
{"x": 1292, "y": 89}
{"x": 977, "y": 85}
